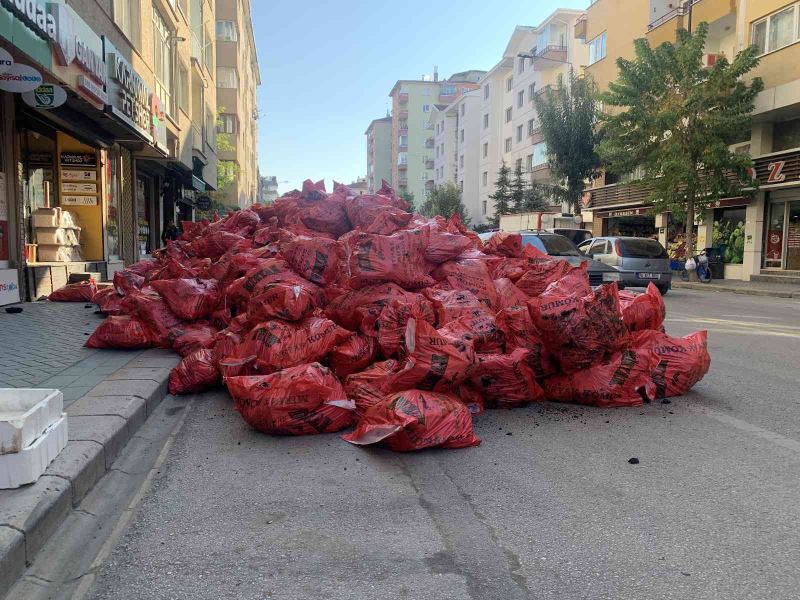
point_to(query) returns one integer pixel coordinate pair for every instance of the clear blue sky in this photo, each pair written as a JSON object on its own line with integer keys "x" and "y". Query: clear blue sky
{"x": 327, "y": 68}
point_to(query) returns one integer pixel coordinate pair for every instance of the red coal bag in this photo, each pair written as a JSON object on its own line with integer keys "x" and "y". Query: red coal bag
{"x": 451, "y": 304}
{"x": 143, "y": 267}
{"x": 214, "y": 244}
{"x": 580, "y": 331}
{"x": 389, "y": 325}
{"x": 506, "y": 380}
{"x": 680, "y": 362}
{"x": 644, "y": 311}
{"x": 471, "y": 274}
{"x": 354, "y": 354}
{"x": 398, "y": 258}
{"x": 518, "y": 331}
{"x": 509, "y": 294}
{"x": 190, "y": 338}
{"x": 477, "y": 327}
{"x": 541, "y": 273}
{"x": 415, "y": 419}
{"x": 153, "y": 310}
{"x": 303, "y": 400}
{"x": 375, "y": 214}
{"x": 315, "y": 258}
{"x": 120, "y": 332}
{"x": 504, "y": 243}
{"x": 196, "y": 373}
{"x": 443, "y": 245}
{"x": 83, "y": 291}
{"x": 364, "y": 387}
{"x": 108, "y": 301}
{"x": 281, "y": 300}
{"x": 189, "y": 299}
{"x": 619, "y": 381}
{"x": 326, "y": 214}
{"x": 574, "y": 281}
{"x": 433, "y": 361}
{"x": 350, "y": 309}
{"x": 127, "y": 281}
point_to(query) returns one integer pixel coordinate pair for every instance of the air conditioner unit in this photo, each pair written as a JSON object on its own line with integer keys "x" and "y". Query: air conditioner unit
{"x": 709, "y": 60}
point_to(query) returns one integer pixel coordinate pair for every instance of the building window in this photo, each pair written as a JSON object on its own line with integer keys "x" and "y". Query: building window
{"x": 531, "y": 126}
{"x": 448, "y": 90}
{"x": 226, "y": 31}
{"x": 529, "y": 162}
{"x": 122, "y": 17}
{"x": 486, "y": 121}
{"x": 183, "y": 87}
{"x": 508, "y": 115}
{"x": 486, "y": 92}
{"x": 463, "y": 109}
{"x": 402, "y": 158}
{"x": 485, "y": 178}
{"x": 461, "y": 162}
{"x": 520, "y": 98}
{"x": 521, "y": 67}
{"x": 227, "y": 124}
{"x": 425, "y": 91}
{"x": 227, "y": 78}
{"x": 597, "y": 48}
{"x": 531, "y": 92}
{"x": 539, "y": 154}
{"x": 508, "y": 145}
{"x": 519, "y": 133}
{"x": 776, "y": 31}
{"x": 483, "y": 207}
{"x": 403, "y": 140}
{"x": 518, "y": 165}
{"x": 163, "y": 61}
{"x": 426, "y": 108}
{"x": 509, "y": 84}
{"x": 461, "y": 136}
{"x": 485, "y": 149}
{"x": 461, "y": 186}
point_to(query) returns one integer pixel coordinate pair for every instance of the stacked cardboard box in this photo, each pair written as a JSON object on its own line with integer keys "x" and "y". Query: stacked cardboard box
{"x": 58, "y": 235}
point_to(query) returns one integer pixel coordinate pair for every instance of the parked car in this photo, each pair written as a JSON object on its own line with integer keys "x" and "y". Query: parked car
{"x": 576, "y": 236}
{"x": 639, "y": 260}
{"x": 558, "y": 246}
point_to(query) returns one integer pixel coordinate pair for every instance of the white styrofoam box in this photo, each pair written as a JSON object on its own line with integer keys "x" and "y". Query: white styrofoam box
{"x": 47, "y": 217}
{"x": 25, "y": 414}
{"x": 47, "y": 253}
{"x": 68, "y": 219}
{"x": 58, "y": 236}
{"x": 27, "y": 466}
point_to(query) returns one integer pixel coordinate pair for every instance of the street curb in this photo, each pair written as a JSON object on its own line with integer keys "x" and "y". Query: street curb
{"x": 100, "y": 425}
{"x": 710, "y": 287}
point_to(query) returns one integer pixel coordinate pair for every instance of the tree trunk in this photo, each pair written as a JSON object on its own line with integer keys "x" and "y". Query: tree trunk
{"x": 690, "y": 236}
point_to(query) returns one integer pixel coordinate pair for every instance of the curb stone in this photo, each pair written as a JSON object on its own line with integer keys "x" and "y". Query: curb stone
{"x": 743, "y": 291}
{"x": 100, "y": 425}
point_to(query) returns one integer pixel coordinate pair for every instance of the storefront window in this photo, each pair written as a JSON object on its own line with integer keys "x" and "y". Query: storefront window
{"x": 728, "y": 233}
{"x": 793, "y": 237}
{"x": 112, "y": 203}
{"x": 773, "y": 255}
{"x": 143, "y": 215}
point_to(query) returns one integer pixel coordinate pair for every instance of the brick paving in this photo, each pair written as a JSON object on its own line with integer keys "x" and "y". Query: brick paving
{"x": 42, "y": 347}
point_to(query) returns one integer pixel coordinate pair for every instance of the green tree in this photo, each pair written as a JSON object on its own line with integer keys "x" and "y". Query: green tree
{"x": 537, "y": 197}
{"x": 502, "y": 194}
{"x": 408, "y": 197}
{"x": 518, "y": 188}
{"x": 568, "y": 116}
{"x": 677, "y": 121}
{"x": 445, "y": 200}
{"x": 227, "y": 170}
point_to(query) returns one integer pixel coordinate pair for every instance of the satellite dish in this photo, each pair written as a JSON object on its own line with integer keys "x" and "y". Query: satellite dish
{"x": 547, "y": 220}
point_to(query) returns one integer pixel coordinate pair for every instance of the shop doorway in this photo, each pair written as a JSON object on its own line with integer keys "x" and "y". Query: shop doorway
{"x": 782, "y": 243}
{"x": 643, "y": 226}
{"x": 37, "y": 176}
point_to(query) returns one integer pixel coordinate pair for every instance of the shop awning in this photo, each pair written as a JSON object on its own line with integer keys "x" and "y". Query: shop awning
{"x": 198, "y": 184}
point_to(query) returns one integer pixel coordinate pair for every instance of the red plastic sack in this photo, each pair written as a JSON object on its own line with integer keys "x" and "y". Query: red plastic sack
{"x": 326, "y": 215}
{"x": 190, "y": 338}
{"x": 504, "y": 243}
{"x": 276, "y": 345}
{"x": 414, "y": 420}
{"x": 506, "y": 380}
{"x": 619, "y": 381}
{"x": 574, "y": 281}
{"x": 83, "y": 291}
{"x": 451, "y": 304}
{"x": 389, "y": 326}
{"x": 350, "y": 309}
{"x": 302, "y": 400}
{"x": 580, "y": 331}
{"x": 433, "y": 361}
{"x": 189, "y": 299}
{"x": 152, "y": 310}
{"x": 315, "y": 258}
{"x": 364, "y": 387}
{"x": 680, "y": 362}
{"x": 282, "y": 300}
{"x": 120, "y": 332}
{"x": 375, "y": 214}
{"x": 143, "y": 267}
{"x": 645, "y": 311}
{"x": 355, "y": 354}
{"x": 443, "y": 245}
{"x": 127, "y": 281}
{"x": 196, "y": 373}
{"x": 397, "y": 258}
{"x": 476, "y": 327}
{"x": 516, "y": 325}
{"x": 108, "y": 301}
{"x": 215, "y": 244}
{"x": 469, "y": 274}
{"x": 508, "y": 294}
{"x": 541, "y": 273}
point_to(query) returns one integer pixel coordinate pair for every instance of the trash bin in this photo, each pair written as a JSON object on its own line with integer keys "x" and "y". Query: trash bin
{"x": 716, "y": 262}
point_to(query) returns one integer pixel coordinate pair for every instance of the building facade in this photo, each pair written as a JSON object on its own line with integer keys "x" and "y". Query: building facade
{"x": 444, "y": 128}
{"x": 238, "y": 77}
{"x": 412, "y": 137}
{"x": 379, "y": 153}
{"x": 770, "y": 219}
{"x": 467, "y": 152}
{"x": 268, "y": 189}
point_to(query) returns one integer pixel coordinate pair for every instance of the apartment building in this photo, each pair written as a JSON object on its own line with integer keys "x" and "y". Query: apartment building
{"x": 238, "y": 77}
{"x": 379, "y": 153}
{"x": 412, "y": 138}
{"x": 467, "y": 151}
{"x": 444, "y": 125}
{"x": 772, "y": 216}
{"x": 268, "y": 189}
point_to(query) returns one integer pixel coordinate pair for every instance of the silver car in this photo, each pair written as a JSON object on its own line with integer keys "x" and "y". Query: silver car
{"x": 639, "y": 260}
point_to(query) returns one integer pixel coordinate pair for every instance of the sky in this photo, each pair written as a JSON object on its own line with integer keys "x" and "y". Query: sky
{"x": 327, "y": 68}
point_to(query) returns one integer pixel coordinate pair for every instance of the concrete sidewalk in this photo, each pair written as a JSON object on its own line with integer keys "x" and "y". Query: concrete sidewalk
{"x": 108, "y": 394}
{"x": 749, "y": 288}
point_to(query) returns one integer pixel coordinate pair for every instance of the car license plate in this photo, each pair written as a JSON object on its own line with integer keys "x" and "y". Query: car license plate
{"x": 649, "y": 275}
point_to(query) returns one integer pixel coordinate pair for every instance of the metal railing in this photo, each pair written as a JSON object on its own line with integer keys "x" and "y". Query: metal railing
{"x": 675, "y": 12}
{"x": 539, "y": 53}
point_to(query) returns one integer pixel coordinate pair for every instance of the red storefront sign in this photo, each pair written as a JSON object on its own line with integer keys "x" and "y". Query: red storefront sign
{"x": 774, "y": 244}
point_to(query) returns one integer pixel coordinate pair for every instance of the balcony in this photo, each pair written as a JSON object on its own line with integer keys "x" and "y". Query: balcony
{"x": 403, "y": 115}
{"x": 429, "y": 185}
{"x": 429, "y": 142}
{"x": 197, "y": 137}
{"x": 403, "y": 182}
{"x": 429, "y": 164}
{"x": 402, "y": 166}
{"x": 402, "y": 148}
{"x": 447, "y": 97}
{"x": 545, "y": 89}
{"x": 402, "y": 126}
{"x": 402, "y": 98}
{"x": 580, "y": 27}
{"x": 549, "y": 57}
{"x": 711, "y": 11}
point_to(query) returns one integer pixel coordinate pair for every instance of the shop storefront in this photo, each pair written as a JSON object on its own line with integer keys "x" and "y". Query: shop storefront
{"x": 628, "y": 222}
{"x": 782, "y": 235}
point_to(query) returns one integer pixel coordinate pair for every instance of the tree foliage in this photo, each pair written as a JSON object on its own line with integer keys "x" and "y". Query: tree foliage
{"x": 227, "y": 170}
{"x": 445, "y": 200}
{"x": 677, "y": 120}
{"x": 502, "y": 194}
{"x": 568, "y": 118}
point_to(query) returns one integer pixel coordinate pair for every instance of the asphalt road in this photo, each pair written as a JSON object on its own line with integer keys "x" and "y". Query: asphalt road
{"x": 547, "y": 507}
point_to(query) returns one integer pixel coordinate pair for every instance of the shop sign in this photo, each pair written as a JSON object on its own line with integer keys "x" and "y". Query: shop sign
{"x": 20, "y": 78}
{"x": 79, "y": 200}
{"x": 87, "y": 175}
{"x": 776, "y": 172}
{"x": 78, "y": 159}
{"x": 203, "y": 202}
{"x": 69, "y": 187}
{"x": 79, "y": 50}
{"x": 128, "y": 94}
{"x": 630, "y": 212}
{"x": 45, "y": 96}
{"x": 6, "y": 60}
{"x": 158, "y": 123}
{"x": 34, "y": 14}
{"x": 9, "y": 287}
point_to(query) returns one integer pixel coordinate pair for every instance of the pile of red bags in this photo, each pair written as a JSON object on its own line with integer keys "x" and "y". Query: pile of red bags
{"x": 324, "y": 311}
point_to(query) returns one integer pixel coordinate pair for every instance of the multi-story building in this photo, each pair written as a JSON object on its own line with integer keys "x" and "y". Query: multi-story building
{"x": 444, "y": 126}
{"x": 268, "y": 189}
{"x": 237, "y": 76}
{"x": 412, "y": 138}
{"x": 467, "y": 152}
{"x": 359, "y": 186}
{"x": 771, "y": 217}
{"x": 379, "y": 153}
